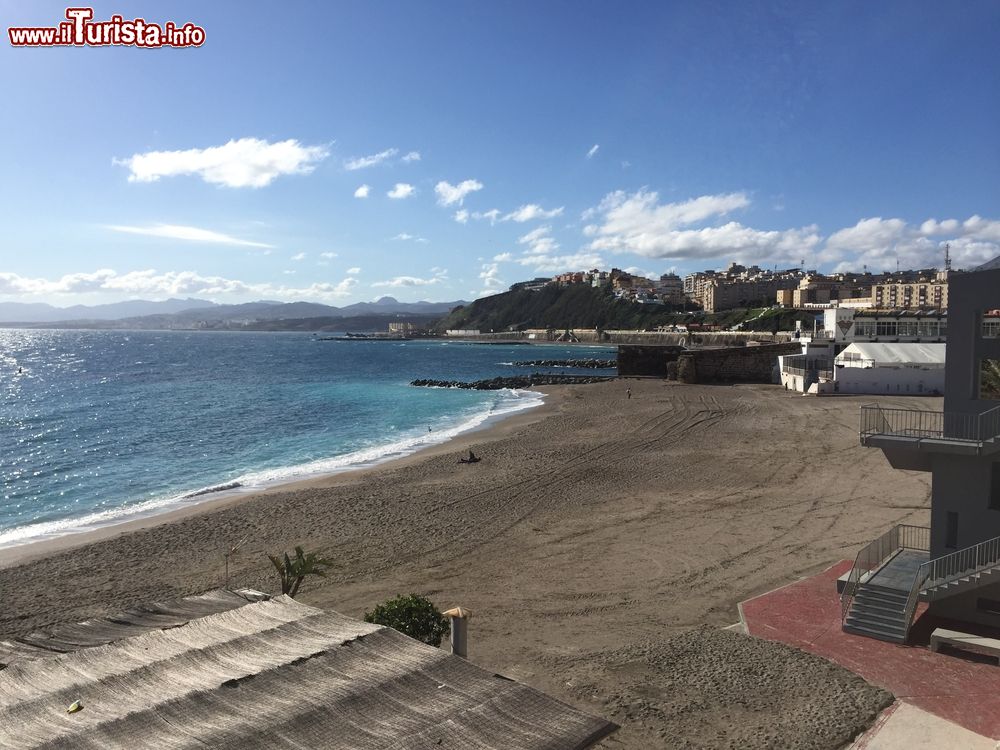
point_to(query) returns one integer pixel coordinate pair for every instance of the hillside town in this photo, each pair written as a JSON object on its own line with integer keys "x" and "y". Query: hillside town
{"x": 740, "y": 286}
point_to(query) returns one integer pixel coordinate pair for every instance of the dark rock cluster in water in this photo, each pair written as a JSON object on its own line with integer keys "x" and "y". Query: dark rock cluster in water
{"x": 520, "y": 381}
{"x": 601, "y": 364}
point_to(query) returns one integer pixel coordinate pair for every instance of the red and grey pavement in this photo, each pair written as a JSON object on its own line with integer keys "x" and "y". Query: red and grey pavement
{"x": 962, "y": 688}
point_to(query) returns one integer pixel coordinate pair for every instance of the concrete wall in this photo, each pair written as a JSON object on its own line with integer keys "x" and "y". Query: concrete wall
{"x": 749, "y": 364}
{"x": 902, "y": 381}
{"x": 964, "y": 607}
{"x": 969, "y": 295}
{"x": 962, "y": 484}
{"x": 636, "y": 360}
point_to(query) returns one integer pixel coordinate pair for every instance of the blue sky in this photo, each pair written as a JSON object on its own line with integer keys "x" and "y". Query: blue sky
{"x": 497, "y": 142}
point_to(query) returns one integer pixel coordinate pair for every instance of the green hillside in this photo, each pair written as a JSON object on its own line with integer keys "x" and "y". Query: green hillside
{"x": 582, "y": 306}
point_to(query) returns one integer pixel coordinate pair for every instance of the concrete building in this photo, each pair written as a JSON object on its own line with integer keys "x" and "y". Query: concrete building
{"x": 954, "y": 564}
{"x": 813, "y": 370}
{"x": 876, "y": 369}
{"x": 930, "y": 290}
{"x": 533, "y": 285}
{"x": 670, "y": 288}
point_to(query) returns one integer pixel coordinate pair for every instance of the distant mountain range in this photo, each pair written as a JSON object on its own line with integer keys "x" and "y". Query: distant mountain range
{"x": 180, "y": 313}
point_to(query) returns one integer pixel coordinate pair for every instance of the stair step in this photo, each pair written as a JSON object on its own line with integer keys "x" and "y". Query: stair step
{"x": 881, "y": 601}
{"x": 879, "y": 608}
{"x": 874, "y": 617}
{"x": 873, "y": 633}
{"x": 875, "y": 588}
{"x": 891, "y": 621}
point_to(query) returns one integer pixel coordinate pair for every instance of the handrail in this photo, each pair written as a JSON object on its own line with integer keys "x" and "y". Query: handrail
{"x": 979, "y": 556}
{"x": 876, "y": 552}
{"x": 877, "y": 420}
{"x": 950, "y": 567}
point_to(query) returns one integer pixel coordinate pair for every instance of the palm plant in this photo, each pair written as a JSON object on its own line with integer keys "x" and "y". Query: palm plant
{"x": 293, "y": 570}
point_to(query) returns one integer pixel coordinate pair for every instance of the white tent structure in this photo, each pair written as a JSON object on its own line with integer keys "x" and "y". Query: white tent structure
{"x": 912, "y": 369}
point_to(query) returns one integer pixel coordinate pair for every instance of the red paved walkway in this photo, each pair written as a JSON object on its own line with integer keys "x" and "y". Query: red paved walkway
{"x": 806, "y": 614}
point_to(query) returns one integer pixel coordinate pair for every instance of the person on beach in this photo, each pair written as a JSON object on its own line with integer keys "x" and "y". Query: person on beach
{"x": 628, "y": 393}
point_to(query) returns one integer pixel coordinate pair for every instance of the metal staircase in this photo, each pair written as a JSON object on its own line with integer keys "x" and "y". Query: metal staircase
{"x": 878, "y": 612}
{"x": 892, "y": 573}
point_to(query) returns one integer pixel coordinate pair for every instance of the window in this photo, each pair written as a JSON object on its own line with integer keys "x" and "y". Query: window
{"x": 990, "y": 327}
{"x": 989, "y": 379}
{"x": 951, "y": 530}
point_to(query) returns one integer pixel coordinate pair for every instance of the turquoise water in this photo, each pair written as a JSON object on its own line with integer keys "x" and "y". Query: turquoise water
{"x": 98, "y": 427}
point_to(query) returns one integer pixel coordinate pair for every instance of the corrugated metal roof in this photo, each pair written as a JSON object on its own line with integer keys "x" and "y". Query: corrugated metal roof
{"x": 895, "y": 354}
{"x": 275, "y": 674}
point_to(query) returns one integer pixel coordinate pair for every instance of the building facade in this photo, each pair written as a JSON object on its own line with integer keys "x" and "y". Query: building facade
{"x": 928, "y": 291}
{"x": 959, "y": 556}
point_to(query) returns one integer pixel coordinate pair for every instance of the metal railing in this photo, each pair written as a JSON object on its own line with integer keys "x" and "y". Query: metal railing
{"x": 950, "y": 567}
{"x": 803, "y": 364}
{"x": 876, "y": 420}
{"x": 802, "y": 372}
{"x": 877, "y": 552}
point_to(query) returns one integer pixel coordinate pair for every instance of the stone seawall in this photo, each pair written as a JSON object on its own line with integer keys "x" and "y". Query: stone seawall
{"x": 745, "y": 364}
{"x": 646, "y": 361}
{"x": 652, "y": 338}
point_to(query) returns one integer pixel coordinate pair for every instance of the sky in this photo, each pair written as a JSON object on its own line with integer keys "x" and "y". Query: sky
{"x": 343, "y": 151}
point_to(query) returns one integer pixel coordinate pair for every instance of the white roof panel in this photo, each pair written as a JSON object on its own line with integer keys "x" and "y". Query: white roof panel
{"x": 895, "y": 354}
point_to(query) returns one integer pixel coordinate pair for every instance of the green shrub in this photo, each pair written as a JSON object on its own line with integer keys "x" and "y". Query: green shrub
{"x": 414, "y": 615}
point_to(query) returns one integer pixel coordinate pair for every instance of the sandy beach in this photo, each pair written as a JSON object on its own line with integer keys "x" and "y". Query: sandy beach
{"x": 594, "y": 528}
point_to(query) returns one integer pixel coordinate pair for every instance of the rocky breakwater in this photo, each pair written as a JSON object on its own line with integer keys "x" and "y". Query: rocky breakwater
{"x": 597, "y": 364}
{"x": 519, "y": 381}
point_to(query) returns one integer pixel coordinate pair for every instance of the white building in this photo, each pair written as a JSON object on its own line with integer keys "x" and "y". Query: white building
{"x": 872, "y": 368}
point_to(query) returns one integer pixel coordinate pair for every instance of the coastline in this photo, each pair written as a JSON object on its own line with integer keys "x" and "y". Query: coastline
{"x": 493, "y": 427}
{"x": 595, "y": 528}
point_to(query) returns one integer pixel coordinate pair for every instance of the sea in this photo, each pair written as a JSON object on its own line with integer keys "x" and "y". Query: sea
{"x": 101, "y": 427}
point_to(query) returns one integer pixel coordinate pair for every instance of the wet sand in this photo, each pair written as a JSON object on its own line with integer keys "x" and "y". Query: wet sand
{"x": 596, "y": 525}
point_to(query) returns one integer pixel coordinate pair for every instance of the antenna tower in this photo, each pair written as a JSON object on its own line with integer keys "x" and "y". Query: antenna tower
{"x": 947, "y": 256}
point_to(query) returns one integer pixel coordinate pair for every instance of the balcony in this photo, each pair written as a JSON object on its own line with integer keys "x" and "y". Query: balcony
{"x": 931, "y": 431}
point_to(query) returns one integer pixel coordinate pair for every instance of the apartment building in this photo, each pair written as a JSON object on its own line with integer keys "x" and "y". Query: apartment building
{"x": 927, "y": 291}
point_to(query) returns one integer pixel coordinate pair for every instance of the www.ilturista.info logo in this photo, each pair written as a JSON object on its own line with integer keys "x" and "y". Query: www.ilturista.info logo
{"x": 80, "y": 30}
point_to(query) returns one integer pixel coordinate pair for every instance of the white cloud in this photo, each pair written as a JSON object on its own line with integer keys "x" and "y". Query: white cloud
{"x": 636, "y": 271}
{"x": 490, "y": 275}
{"x": 398, "y": 282}
{"x": 593, "y": 150}
{"x": 412, "y": 156}
{"x": 401, "y": 190}
{"x": 405, "y": 236}
{"x": 503, "y": 257}
{"x": 363, "y": 162}
{"x": 531, "y": 211}
{"x": 188, "y": 234}
{"x": 151, "y": 284}
{"x": 247, "y": 162}
{"x": 544, "y": 263}
{"x": 299, "y": 256}
{"x": 639, "y": 224}
{"x": 493, "y": 216}
{"x": 328, "y": 256}
{"x": 362, "y": 192}
{"x": 353, "y": 271}
{"x": 539, "y": 240}
{"x": 449, "y": 194}
{"x": 879, "y": 243}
